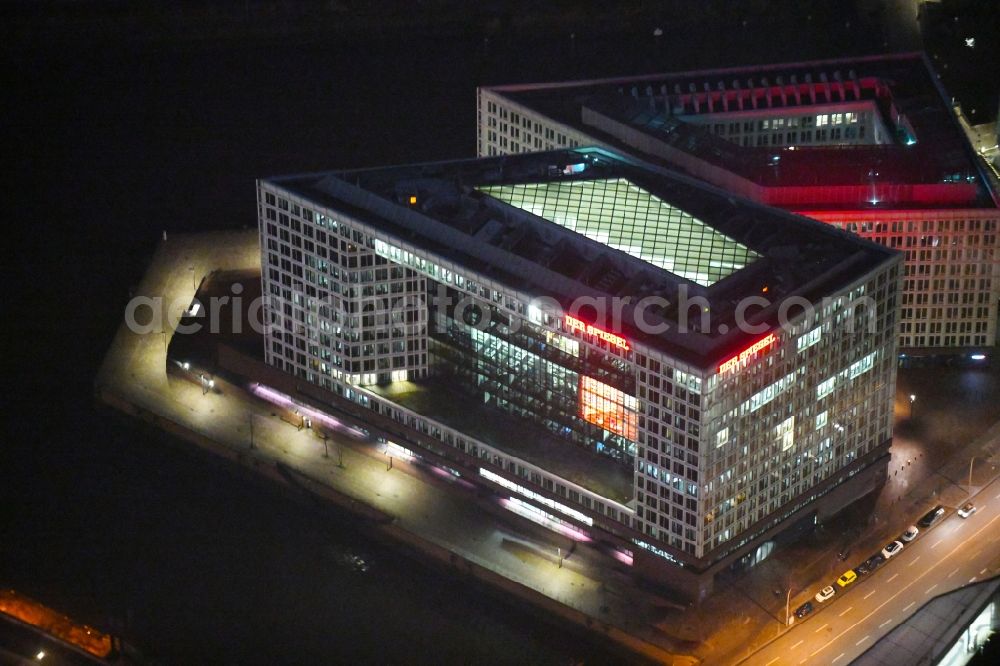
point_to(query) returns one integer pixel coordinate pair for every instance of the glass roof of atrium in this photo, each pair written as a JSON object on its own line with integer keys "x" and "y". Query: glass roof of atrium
{"x": 625, "y": 217}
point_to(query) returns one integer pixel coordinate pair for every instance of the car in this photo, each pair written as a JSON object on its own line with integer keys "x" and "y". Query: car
{"x": 826, "y": 593}
{"x": 892, "y": 549}
{"x": 847, "y": 578}
{"x": 967, "y": 510}
{"x": 875, "y": 561}
{"x": 863, "y": 569}
{"x": 804, "y": 610}
{"x": 931, "y": 516}
{"x": 910, "y": 534}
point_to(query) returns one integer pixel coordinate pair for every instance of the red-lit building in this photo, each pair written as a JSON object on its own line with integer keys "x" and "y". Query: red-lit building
{"x": 604, "y": 343}
{"x": 869, "y": 145}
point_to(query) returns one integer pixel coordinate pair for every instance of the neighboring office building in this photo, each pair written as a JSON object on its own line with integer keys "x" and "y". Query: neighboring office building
{"x": 869, "y": 145}
{"x": 682, "y": 451}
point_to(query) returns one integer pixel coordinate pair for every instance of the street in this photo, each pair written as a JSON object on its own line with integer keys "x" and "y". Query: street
{"x": 946, "y": 556}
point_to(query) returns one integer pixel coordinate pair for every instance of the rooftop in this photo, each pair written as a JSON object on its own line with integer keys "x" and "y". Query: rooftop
{"x": 625, "y": 217}
{"x": 588, "y": 222}
{"x": 518, "y": 437}
{"x": 925, "y": 162}
{"x": 926, "y": 636}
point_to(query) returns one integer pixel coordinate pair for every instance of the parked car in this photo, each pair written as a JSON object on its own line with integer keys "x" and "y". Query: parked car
{"x": 826, "y": 593}
{"x": 931, "y": 516}
{"x": 804, "y": 610}
{"x": 967, "y": 510}
{"x": 847, "y": 578}
{"x": 875, "y": 561}
{"x": 892, "y": 549}
{"x": 910, "y": 534}
{"x": 863, "y": 569}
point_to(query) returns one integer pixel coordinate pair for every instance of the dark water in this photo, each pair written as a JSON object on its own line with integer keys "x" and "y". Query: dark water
{"x": 106, "y": 147}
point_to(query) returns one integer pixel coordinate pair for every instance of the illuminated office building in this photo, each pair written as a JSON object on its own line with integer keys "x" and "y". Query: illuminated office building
{"x": 869, "y": 145}
{"x": 567, "y": 329}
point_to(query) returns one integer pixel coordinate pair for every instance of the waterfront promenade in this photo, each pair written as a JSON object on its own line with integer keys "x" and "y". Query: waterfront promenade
{"x": 427, "y": 517}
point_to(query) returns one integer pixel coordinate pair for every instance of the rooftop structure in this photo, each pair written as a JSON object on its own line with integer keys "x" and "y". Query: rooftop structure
{"x": 870, "y": 145}
{"x": 591, "y": 223}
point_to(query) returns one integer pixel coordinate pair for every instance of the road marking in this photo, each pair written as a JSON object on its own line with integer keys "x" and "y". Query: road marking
{"x": 914, "y": 560}
{"x": 953, "y": 573}
{"x": 997, "y": 496}
{"x": 799, "y": 643}
{"x": 837, "y": 657}
{"x": 892, "y": 598}
{"x": 862, "y": 640}
{"x": 936, "y": 543}
{"x": 909, "y": 606}
{"x": 821, "y": 628}
{"x": 972, "y": 579}
{"x": 870, "y": 593}
{"x": 889, "y": 621}
{"x": 849, "y": 609}
{"x": 893, "y": 578}
{"x": 982, "y": 572}
{"x": 772, "y": 661}
{"x": 931, "y": 588}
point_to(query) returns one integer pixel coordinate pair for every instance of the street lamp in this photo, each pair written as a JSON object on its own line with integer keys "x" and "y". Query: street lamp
{"x": 207, "y": 384}
{"x": 971, "y": 460}
{"x": 913, "y": 398}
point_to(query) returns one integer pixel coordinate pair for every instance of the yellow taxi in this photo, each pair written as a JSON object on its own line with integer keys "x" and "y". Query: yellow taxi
{"x": 847, "y": 578}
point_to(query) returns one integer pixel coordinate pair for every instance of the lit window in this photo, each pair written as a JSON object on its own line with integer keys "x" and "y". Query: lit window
{"x": 809, "y": 339}
{"x": 822, "y": 119}
{"x": 821, "y": 420}
{"x": 785, "y": 433}
{"x": 609, "y": 408}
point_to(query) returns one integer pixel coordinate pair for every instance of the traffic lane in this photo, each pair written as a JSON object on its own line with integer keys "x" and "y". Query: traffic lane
{"x": 858, "y": 629}
{"x": 851, "y": 633}
{"x": 912, "y": 552}
{"x": 846, "y": 633}
{"x": 968, "y": 545}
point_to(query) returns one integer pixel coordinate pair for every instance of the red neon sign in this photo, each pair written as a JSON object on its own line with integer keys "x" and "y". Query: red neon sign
{"x": 575, "y": 324}
{"x": 739, "y": 359}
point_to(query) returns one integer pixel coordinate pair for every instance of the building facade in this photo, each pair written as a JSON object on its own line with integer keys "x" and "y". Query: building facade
{"x": 525, "y": 322}
{"x": 869, "y": 145}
